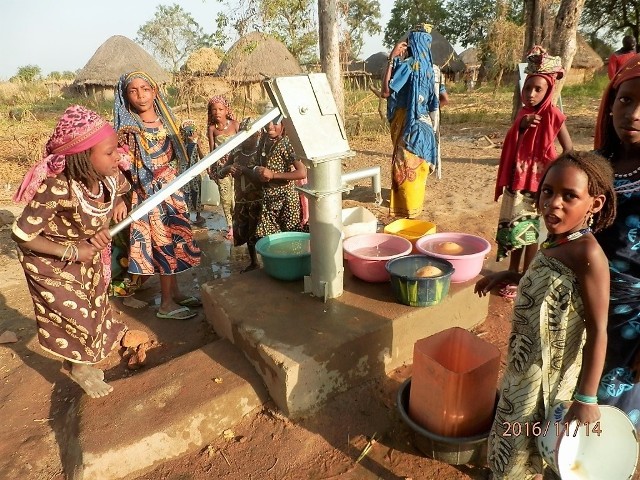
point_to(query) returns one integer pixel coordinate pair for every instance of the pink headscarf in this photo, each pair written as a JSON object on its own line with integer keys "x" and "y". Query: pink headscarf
{"x": 218, "y": 99}
{"x": 77, "y": 130}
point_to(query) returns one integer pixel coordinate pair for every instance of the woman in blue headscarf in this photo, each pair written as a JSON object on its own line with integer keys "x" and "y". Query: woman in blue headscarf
{"x": 408, "y": 84}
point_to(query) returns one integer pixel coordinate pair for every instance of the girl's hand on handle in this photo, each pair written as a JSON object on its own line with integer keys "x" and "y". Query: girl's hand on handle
{"x": 86, "y": 251}
{"x": 101, "y": 239}
{"x": 119, "y": 211}
{"x": 583, "y": 412}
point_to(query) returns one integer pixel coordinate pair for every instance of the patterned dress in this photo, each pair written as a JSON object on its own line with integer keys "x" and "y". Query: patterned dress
{"x": 70, "y": 299}
{"x": 543, "y": 364}
{"x": 248, "y": 198}
{"x": 281, "y": 208}
{"x": 225, "y": 184}
{"x": 161, "y": 241}
{"x": 192, "y": 189}
{"x": 621, "y": 243}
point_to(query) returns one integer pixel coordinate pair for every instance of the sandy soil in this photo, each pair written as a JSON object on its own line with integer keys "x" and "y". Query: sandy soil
{"x": 34, "y": 394}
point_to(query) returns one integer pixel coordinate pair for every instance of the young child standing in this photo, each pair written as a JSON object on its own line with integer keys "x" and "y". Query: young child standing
{"x": 221, "y": 126}
{"x": 563, "y": 293}
{"x": 64, "y": 243}
{"x": 528, "y": 148}
{"x": 192, "y": 189}
{"x": 161, "y": 242}
{"x": 248, "y": 193}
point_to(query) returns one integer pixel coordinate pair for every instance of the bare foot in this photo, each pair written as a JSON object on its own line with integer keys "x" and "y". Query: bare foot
{"x": 91, "y": 379}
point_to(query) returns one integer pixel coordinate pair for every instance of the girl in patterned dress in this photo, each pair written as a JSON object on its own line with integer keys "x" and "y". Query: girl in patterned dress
{"x": 192, "y": 189}
{"x": 279, "y": 168}
{"x": 64, "y": 243}
{"x": 563, "y": 294}
{"x": 618, "y": 139}
{"x": 248, "y": 193}
{"x": 222, "y": 126}
{"x": 528, "y": 149}
{"x": 161, "y": 242}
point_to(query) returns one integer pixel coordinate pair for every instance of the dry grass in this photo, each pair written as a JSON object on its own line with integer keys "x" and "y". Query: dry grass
{"x": 469, "y": 114}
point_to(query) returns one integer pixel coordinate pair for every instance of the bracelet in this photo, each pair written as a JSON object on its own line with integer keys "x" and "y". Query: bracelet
{"x": 585, "y": 399}
{"x": 63, "y": 257}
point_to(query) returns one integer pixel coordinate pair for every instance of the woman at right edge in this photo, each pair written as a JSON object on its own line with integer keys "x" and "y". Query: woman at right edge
{"x": 617, "y": 138}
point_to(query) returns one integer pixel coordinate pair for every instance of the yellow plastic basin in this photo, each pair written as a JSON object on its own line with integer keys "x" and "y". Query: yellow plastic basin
{"x": 410, "y": 229}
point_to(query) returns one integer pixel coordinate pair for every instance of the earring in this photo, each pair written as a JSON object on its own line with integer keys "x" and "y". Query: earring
{"x": 611, "y": 114}
{"x": 590, "y": 220}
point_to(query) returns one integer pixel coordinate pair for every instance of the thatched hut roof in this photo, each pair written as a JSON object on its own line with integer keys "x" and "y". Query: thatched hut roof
{"x": 255, "y": 57}
{"x": 470, "y": 57}
{"x": 586, "y": 57}
{"x": 203, "y": 61}
{"x": 116, "y": 56}
{"x": 376, "y": 63}
{"x": 444, "y": 55}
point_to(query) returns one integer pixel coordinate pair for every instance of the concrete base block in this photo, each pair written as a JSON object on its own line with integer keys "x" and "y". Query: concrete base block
{"x": 168, "y": 411}
{"x": 307, "y": 351}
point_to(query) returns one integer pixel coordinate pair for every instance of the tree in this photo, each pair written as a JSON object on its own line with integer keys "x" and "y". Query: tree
{"x": 498, "y": 51}
{"x": 293, "y": 23}
{"x": 28, "y": 73}
{"x": 290, "y": 21}
{"x": 469, "y": 21}
{"x": 172, "y": 36}
{"x": 406, "y": 13}
{"x": 611, "y": 18}
{"x": 360, "y": 17}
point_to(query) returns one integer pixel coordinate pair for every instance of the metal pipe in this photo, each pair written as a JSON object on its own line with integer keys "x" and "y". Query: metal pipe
{"x": 373, "y": 172}
{"x": 181, "y": 180}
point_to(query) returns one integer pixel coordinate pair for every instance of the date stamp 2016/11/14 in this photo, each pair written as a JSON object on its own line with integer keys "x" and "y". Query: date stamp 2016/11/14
{"x": 542, "y": 429}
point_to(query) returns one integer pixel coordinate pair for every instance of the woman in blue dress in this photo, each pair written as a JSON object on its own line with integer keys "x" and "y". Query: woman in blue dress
{"x": 618, "y": 139}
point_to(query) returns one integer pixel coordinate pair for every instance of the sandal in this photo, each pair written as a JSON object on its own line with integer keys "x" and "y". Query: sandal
{"x": 182, "y": 313}
{"x": 190, "y": 302}
{"x": 509, "y": 290}
{"x": 229, "y": 235}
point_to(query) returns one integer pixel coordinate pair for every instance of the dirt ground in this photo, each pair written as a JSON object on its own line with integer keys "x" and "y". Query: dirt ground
{"x": 34, "y": 393}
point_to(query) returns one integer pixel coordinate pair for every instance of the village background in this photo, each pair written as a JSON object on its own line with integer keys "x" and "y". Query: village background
{"x": 34, "y": 395}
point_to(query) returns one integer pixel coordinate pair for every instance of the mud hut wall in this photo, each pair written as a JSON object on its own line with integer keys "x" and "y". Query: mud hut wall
{"x": 579, "y": 75}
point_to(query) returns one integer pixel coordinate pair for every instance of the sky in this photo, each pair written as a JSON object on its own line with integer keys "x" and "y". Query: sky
{"x": 62, "y": 35}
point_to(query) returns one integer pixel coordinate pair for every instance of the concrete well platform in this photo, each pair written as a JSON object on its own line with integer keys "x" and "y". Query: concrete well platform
{"x": 307, "y": 351}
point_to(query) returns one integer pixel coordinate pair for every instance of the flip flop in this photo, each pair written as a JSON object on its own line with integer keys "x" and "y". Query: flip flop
{"x": 182, "y": 313}
{"x": 190, "y": 302}
{"x": 508, "y": 291}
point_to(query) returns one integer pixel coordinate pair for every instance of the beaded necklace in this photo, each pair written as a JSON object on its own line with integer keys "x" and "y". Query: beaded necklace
{"x": 89, "y": 193}
{"x": 226, "y": 125}
{"x": 158, "y": 136}
{"x": 569, "y": 238}
{"x": 628, "y": 174}
{"x": 92, "y": 210}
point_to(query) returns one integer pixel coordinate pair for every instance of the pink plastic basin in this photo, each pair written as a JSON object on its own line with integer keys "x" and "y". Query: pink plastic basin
{"x": 469, "y": 263}
{"x": 368, "y": 254}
